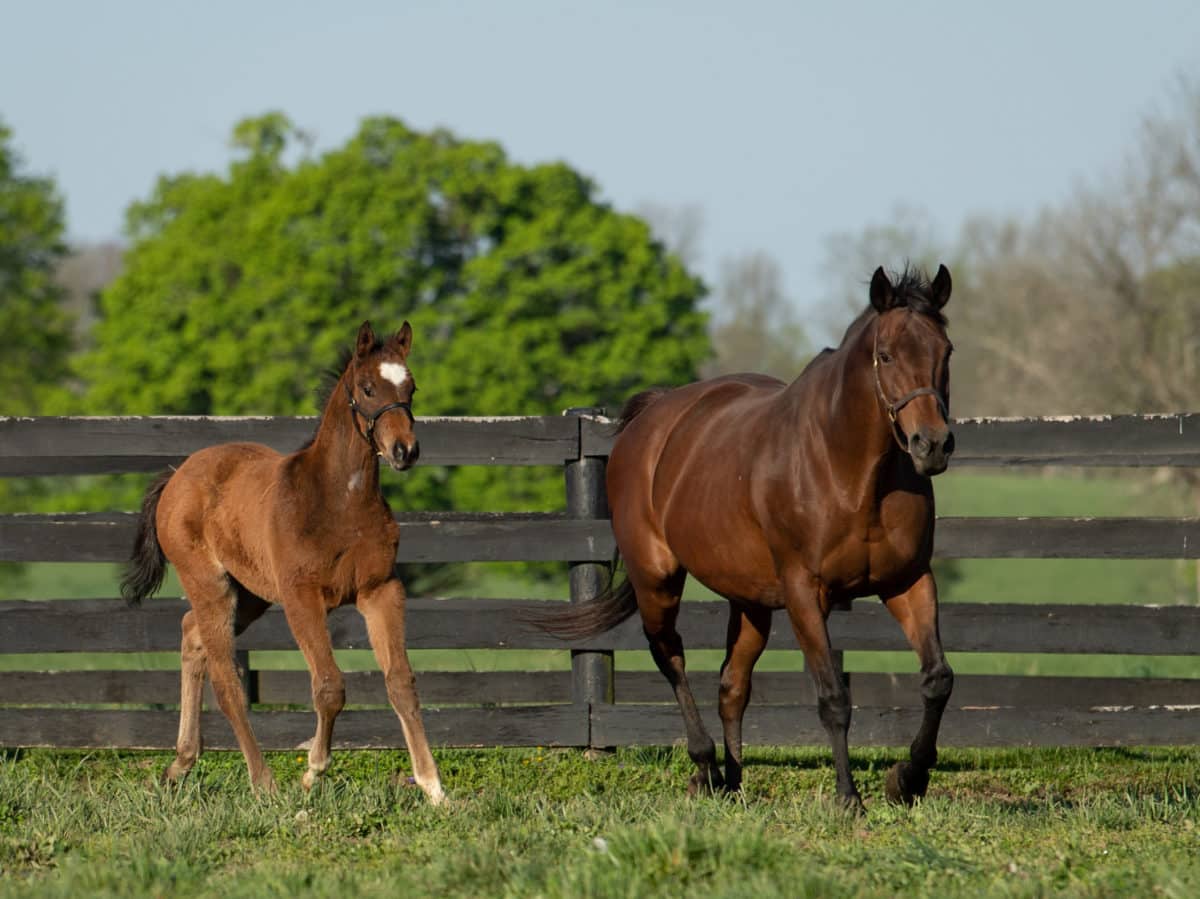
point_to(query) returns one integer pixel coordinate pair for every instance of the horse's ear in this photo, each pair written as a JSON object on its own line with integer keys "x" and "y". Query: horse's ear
{"x": 403, "y": 339}
{"x": 939, "y": 290}
{"x": 881, "y": 291}
{"x": 366, "y": 340}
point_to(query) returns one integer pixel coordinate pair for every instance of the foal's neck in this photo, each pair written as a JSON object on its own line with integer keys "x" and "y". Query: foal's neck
{"x": 340, "y": 455}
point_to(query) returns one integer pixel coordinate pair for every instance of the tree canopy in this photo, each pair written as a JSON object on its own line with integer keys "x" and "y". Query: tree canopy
{"x": 527, "y": 294}
{"x": 35, "y": 331}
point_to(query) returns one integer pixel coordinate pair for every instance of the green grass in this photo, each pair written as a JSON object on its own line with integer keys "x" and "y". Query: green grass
{"x": 551, "y": 823}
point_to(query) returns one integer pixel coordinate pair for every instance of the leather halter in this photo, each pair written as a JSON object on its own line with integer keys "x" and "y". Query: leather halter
{"x": 373, "y": 418}
{"x": 893, "y": 408}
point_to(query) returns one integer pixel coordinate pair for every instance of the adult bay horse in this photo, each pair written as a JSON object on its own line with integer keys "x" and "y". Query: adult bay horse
{"x": 246, "y": 526}
{"x": 797, "y": 497}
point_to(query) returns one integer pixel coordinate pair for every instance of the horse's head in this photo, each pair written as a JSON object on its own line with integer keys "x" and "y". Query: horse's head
{"x": 912, "y": 365}
{"x": 381, "y": 388}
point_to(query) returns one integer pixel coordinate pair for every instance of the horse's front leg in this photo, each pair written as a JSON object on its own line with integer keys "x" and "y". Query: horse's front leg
{"x": 916, "y": 609}
{"x": 306, "y": 616}
{"x": 807, "y": 607}
{"x": 383, "y": 610}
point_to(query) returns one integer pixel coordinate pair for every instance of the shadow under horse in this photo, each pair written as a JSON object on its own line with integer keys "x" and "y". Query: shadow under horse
{"x": 246, "y": 526}
{"x": 798, "y": 497}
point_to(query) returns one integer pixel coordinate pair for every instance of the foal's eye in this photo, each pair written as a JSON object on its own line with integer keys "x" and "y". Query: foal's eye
{"x": 885, "y": 357}
{"x": 368, "y": 390}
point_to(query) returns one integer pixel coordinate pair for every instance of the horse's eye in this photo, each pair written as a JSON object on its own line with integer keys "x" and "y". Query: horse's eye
{"x": 368, "y": 390}
{"x": 885, "y": 357}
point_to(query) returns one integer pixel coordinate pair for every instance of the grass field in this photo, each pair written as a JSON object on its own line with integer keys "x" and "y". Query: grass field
{"x": 551, "y": 823}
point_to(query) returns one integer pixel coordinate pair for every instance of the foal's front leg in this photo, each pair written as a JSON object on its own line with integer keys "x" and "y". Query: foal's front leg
{"x": 383, "y": 610}
{"x": 917, "y": 611}
{"x": 306, "y": 614}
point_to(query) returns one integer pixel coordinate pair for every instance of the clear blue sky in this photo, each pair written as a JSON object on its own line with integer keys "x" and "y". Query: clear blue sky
{"x": 784, "y": 122}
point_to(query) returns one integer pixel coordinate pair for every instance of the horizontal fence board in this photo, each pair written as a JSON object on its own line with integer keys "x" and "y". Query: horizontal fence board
{"x": 767, "y": 725}
{"x": 904, "y": 690}
{"x": 424, "y": 537}
{"x": 98, "y": 445}
{"x": 525, "y": 687}
{"x": 1104, "y": 440}
{"x": 109, "y": 626}
{"x": 550, "y": 725}
{"x": 104, "y": 445}
{"x": 548, "y": 537}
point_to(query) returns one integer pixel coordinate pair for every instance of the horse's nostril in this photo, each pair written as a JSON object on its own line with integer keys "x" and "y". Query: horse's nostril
{"x": 415, "y": 452}
{"x": 948, "y": 444}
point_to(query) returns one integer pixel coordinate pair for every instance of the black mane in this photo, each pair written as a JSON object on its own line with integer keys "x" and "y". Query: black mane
{"x": 911, "y": 288}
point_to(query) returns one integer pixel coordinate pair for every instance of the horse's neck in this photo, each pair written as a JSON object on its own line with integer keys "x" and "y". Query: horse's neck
{"x": 339, "y": 455}
{"x": 854, "y": 431}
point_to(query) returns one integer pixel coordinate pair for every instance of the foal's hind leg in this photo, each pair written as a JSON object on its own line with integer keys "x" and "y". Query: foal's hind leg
{"x": 383, "y": 610}
{"x": 658, "y": 602}
{"x": 916, "y": 610}
{"x": 214, "y": 601}
{"x": 192, "y": 673}
{"x": 749, "y": 627}
{"x": 306, "y": 617}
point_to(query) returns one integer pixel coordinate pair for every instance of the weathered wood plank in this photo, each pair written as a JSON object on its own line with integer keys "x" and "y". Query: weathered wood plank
{"x": 904, "y": 690}
{"x": 100, "y": 445}
{"x": 109, "y": 626}
{"x": 765, "y": 725}
{"x": 550, "y": 725}
{"x": 495, "y": 536}
{"x": 424, "y": 537}
{"x": 1105, "y": 440}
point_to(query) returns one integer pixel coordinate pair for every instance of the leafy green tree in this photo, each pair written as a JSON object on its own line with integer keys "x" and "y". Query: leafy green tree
{"x": 35, "y": 331}
{"x": 527, "y": 294}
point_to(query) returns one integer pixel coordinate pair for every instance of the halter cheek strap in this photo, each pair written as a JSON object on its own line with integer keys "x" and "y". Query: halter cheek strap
{"x": 371, "y": 419}
{"x": 893, "y": 407}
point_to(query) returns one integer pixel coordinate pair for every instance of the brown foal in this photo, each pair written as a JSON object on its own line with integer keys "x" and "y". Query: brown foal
{"x": 798, "y": 497}
{"x": 246, "y": 526}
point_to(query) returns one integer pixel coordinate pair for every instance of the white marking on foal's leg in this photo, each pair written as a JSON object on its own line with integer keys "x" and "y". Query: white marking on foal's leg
{"x": 394, "y": 372}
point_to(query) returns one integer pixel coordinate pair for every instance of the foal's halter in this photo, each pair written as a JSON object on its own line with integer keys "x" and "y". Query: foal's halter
{"x": 373, "y": 418}
{"x": 893, "y": 408}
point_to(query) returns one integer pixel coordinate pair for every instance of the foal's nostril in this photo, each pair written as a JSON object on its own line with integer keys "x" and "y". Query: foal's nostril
{"x": 948, "y": 444}
{"x": 414, "y": 453}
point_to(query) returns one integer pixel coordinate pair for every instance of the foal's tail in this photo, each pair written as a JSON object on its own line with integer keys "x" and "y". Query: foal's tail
{"x": 586, "y": 619}
{"x": 147, "y": 564}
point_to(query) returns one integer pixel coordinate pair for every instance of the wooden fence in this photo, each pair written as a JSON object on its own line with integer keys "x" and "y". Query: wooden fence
{"x": 593, "y": 704}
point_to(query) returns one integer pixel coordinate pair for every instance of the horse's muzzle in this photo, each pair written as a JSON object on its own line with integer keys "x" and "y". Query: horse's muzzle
{"x": 404, "y": 457}
{"x": 931, "y": 450}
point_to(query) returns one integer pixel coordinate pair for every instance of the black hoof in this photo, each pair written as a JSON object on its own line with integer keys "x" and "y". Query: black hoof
{"x": 906, "y": 784}
{"x": 706, "y": 783}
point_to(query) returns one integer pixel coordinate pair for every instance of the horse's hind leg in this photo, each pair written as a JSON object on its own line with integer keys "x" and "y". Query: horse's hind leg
{"x": 383, "y": 611}
{"x": 214, "y": 609}
{"x": 192, "y": 673}
{"x": 658, "y": 602}
{"x": 916, "y": 611}
{"x": 306, "y": 617}
{"x": 749, "y": 627}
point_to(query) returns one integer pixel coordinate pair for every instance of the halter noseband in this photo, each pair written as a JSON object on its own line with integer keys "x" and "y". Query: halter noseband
{"x": 369, "y": 433}
{"x": 893, "y": 408}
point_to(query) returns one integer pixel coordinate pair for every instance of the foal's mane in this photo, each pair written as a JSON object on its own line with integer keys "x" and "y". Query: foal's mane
{"x": 330, "y": 378}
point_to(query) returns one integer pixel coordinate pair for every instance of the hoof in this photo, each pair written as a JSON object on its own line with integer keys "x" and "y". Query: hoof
{"x": 906, "y": 784}
{"x": 309, "y": 780}
{"x": 702, "y": 784}
{"x": 264, "y": 784}
{"x": 854, "y": 805}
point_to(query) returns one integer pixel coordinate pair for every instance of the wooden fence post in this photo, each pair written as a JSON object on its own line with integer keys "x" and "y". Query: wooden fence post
{"x": 592, "y": 672}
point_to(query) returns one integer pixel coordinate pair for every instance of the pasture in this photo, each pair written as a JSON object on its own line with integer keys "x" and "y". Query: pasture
{"x": 534, "y": 822}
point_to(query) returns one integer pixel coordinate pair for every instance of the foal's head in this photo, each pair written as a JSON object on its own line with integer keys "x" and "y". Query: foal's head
{"x": 911, "y": 358}
{"x": 380, "y": 389}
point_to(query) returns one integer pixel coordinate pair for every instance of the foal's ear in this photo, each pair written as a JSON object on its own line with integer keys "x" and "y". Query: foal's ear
{"x": 881, "y": 291}
{"x": 366, "y": 340}
{"x": 939, "y": 290}
{"x": 403, "y": 339}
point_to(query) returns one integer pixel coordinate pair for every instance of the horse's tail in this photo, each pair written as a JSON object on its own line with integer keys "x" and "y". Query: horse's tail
{"x": 586, "y": 619}
{"x": 147, "y": 564}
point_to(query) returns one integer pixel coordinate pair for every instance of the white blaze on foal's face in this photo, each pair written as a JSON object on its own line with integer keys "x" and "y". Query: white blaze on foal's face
{"x": 394, "y": 372}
